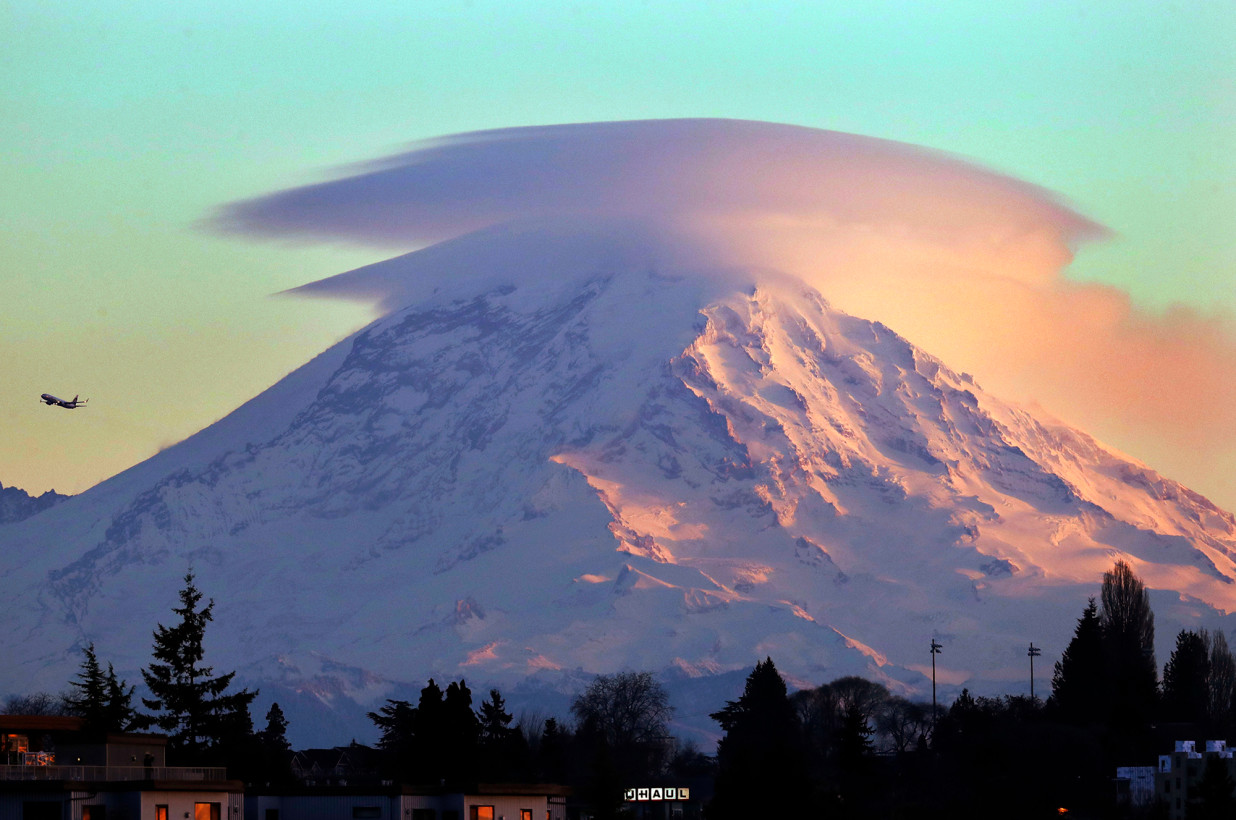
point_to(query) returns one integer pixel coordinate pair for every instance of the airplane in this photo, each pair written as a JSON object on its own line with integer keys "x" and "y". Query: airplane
{"x": 50, "y": 401}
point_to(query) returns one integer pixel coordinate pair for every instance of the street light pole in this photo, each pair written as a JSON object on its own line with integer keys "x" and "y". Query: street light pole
{"x": 935, "y": 650}
{"x": 1033, "y": 653}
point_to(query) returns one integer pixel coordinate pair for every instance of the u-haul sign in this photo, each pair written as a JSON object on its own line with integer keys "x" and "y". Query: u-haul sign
{"x": 656, "y": 793}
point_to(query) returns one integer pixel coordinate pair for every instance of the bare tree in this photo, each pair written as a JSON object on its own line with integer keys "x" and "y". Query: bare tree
{"x": 35, "y": 703}
{"x": 1222, "y": 681}
{"x": 628, "y": 714}
{"x": 902, "y": 723}
{"x": 626, "y": 708}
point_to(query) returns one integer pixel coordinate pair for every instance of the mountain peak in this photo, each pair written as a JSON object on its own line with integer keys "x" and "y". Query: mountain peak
{"x": 617, "y": 463}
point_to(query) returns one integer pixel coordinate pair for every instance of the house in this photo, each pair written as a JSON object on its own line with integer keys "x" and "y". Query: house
{"x": 394, "y": 802}
{"x": 1180, "y": 773}
{"x": 341, "y": 766}
{"x": 53, "y": 768}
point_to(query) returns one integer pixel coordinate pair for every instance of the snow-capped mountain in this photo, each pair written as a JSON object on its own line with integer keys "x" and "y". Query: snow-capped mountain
{"x": 625, "y": 462}
{"x": 16, "y": 504}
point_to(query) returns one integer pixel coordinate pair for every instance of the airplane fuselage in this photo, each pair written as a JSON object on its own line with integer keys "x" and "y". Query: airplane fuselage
{"x": 52, "y": 401}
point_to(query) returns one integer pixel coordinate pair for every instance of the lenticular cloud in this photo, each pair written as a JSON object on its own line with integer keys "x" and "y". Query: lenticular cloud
{"x": 736, "y": 172}
{"x": 965, "y": 262}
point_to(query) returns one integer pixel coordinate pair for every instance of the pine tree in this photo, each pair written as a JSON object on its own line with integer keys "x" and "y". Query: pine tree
{"x": 460, "y": 731}
{"x": 1078, "y": 685}
{"x": 101, "y": 699}
{"x": 118, "y": 712}
{"x": 276, "y": 752}
{"x": 760, "y": 758}
{"x": 189, "y": 702}
{"x": 1186, "y": 695}
{"x": 274, "y": 736}
{"x": 89, "y": 700}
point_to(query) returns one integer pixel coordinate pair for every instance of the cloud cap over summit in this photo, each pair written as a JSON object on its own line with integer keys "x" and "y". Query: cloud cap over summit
{"x": 966, "y": 262}
{"x": 667, "y": 168}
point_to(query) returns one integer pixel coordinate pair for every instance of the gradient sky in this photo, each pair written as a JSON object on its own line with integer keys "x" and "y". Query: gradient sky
{"x": 124, "y": 125}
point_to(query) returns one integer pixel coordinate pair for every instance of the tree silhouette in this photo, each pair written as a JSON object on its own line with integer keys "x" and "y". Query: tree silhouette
{"x": 1128, "y": 640}
{"x": 101, "y": 699}
{"x": 274, "y": 749}
{"x": 1078, "y": 687}
{"x": 1186, "y": 677}
{"x": 1222, "y": 683}
{"x": 623, "y": 733}
{"x": 190, "y": 703}
{"x": 502, "y": 747}
{"x": 760, "y": 759}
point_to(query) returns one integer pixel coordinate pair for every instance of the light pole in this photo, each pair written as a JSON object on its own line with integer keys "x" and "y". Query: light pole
{"x": 935, "y": 650}
{"x": 1034, "y": 652}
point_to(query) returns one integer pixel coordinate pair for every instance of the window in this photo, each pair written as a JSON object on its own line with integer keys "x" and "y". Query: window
{"x": 94, "y": 812}
{"x": 160, "y": 812}
{"x": 366, "y": 812}
{"x": 203, "y": 811}
{"x": 525, "y": 814}
{"x": 482, "y": 813}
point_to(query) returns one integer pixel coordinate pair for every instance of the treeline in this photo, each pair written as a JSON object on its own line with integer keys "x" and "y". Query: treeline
{"x": 848, "y": 748}
{"x": 619, "y": 738}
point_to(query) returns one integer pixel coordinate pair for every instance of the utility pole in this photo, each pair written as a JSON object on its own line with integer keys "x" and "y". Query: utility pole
{"x": 935, "y": 650}
{"x": 1033, "y": 653}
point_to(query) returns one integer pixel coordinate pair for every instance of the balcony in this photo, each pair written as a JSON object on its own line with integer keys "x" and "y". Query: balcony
{"x": 112, "y": 773}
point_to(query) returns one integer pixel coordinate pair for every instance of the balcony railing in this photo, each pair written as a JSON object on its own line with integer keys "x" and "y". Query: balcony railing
{"x": 105, "y": 773}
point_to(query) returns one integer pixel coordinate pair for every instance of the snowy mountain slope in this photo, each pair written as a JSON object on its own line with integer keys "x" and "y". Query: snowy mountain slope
{"x": 634, "y": 460}
{"x": 16, "y": 505}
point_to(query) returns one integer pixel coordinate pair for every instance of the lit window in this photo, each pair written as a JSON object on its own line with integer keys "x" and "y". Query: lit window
{"x": 205, "y": 811}
{"x": 160, "y": 812}
{"x": 482, "y": 813}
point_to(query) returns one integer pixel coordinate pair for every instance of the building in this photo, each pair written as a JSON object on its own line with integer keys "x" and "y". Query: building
{"x": 1180, "y": 773}
{"x": 1135, "y": 786}
{"x": 479, "y": 802}
{"x": 54, "y": 769}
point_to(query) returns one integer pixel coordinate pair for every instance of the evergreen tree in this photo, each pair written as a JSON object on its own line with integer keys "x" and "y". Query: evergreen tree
{"x": 1078, "y": 687}
{"x": 274, "y": 736}
{"x": 760, "y": 758}
{"x": 460, "y": 731}
{"x": 397, "y": 723}
{"x": 276, "y": 752}
{"x": 103, "y": 701}
{"x": 1186, "y": 693}
{"x": 502, "y": 747}
{"x": 88, "y": 699}
{"x": 854, "y": 746}
{"x": 188, "y": 701}
{"x": 552, "y": 753}
{"x": 118, "y": 712}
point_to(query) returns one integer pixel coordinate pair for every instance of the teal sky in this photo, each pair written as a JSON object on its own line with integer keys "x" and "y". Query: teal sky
{"x": 124, "y": 124}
